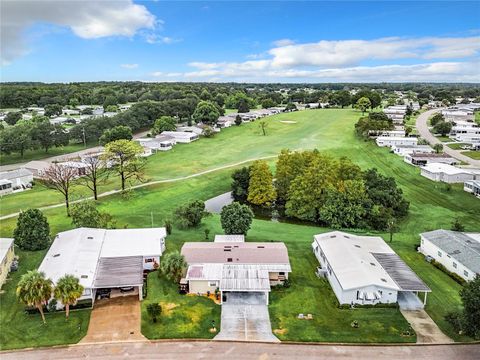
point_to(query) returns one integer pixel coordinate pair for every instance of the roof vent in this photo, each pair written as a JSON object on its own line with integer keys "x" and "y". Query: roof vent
{"x": 84, "y": 276}
{"x": 227, "y": 249}
{"x": 384, "y": 280}
{"x": 90, "y": 237}
{"x": 333, "y": 236}
{"x": 358, "y": 246}
{"x": 373, "y": 264}
{"x": 261, "y": 247}
{"x": 348, "y": 237}
{"x": 56, "y": 255}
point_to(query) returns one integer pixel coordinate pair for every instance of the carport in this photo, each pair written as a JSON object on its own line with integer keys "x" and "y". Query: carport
{"x": 244, "y": 279}
{"x": 120, "y": 272}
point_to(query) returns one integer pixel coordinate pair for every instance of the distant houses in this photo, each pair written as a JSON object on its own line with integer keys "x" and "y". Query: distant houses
{"x": 181, "y": 136}
{"x": 458, "y": 252}
{"x": 231, "y": 265}
{"x": 364, "y": 270}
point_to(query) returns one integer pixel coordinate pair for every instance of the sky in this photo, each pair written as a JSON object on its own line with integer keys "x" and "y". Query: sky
{"x": 271, "y": 41}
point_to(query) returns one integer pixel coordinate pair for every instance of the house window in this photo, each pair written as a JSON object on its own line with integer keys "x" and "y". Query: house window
{"x": 281, "y": 273}
{"x": 455, "y": 265}
{"x": 149, "y": 260}
{"x": 439, "y": 253}
{"x": 465, "y": 272}
{"x": 212, "y": 283}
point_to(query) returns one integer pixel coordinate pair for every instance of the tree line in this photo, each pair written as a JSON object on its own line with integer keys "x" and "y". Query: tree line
{"x": 311, "y": 186}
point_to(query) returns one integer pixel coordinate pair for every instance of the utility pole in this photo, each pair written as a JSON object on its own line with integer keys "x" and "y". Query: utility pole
{"x": 84, "y": 139}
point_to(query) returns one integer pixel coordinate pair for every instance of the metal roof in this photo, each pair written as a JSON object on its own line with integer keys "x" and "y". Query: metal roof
{"x": 119, "y": 271}
{"x": 244, "y": 278}
{"x": 400, "y": 272}
{"x": 8, "y": 175}
{"x": 465, "y": 248}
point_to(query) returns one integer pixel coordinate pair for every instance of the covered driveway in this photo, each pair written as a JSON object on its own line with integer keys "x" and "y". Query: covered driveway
{"x": 245, "y": 317}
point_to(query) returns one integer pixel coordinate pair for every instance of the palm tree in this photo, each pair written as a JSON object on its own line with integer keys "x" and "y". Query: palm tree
{"x": 34, "y": 289}
{"x": 173, "y": 265}
{"x": 67, "y": 291}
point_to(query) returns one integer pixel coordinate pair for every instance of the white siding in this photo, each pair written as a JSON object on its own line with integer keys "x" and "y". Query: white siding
{"x": 450, "y": 263}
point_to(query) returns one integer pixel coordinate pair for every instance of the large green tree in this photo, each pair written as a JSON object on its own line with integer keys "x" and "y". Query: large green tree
{"x": 32, "y": 231}
{"x": 173, "y": 266}
{"x": 470, "y": 295}
{"x": 124, "y": 155}
{"x": 68, "y": 290}
{"x": 117, "y": 133}
{"x": 53, "y": 110}
{"x": 260, "y": 188}
{"x": 236, "y": 218}
{"x": 206, "y": 112}
{"x": 190, "y": 214}
{"x": 86, "y": 214}
{"x": 34, "y": 289}
{"x": 443, "y": 128}
{"x": 13, "y": 117}
{"x": 164, "y": 123}
{"x": 363, "y": 104}
{"x": 241, "y": 180}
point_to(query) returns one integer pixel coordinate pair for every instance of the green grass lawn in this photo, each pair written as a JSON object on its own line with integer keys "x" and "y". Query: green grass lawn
{"x": 39, "y": 154}
{"x": 20, "y": 330}
{"x": 472, "y": 154}
{"x": 456, "y": 146}
{"x": 444, "y": 138}
{"x": 432, "y": 206}
{"x": 182, "y": 316}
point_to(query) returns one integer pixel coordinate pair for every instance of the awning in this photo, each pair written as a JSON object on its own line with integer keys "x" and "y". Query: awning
{"x": 244, "y": 278}
{"x": 400, "y": 272}
{"x": 119, "y": 271}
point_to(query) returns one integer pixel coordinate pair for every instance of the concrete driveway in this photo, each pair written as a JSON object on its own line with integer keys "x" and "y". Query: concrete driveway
{"x": 117, "y": 319}
{"x": 245, "y": 317}
{"x": 427, "y": 331}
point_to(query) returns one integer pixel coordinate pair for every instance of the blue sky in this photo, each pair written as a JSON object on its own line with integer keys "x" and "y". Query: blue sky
{"x": 60, "y": 41}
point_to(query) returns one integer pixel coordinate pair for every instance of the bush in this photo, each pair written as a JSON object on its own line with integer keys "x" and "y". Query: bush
{"x": 454, "y": 276}
{"x": 191, "y": 214}
{"x": 168, "y": 227}
{"x": 236, "y": 218}
{"x": 52, "y": 305}
{"x": 454, "y": 319}
{"x": 32, "y": 231}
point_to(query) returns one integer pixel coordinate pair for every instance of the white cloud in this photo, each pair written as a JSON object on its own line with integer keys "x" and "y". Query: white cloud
{"x": 129, "y": 66}
{"x": 87, "y": 19}
{"x": 351, "y": 52}
{"x": 157, "y": 39}
{"x": 283, "y": 42}
{"x": 457, "y": 59}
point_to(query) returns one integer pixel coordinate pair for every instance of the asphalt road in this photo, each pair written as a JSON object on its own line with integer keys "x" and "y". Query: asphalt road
{"x": 422, "y": 128}
{"x": 213, "y": 350}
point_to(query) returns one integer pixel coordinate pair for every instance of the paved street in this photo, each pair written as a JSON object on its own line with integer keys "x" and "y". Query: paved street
{"x": 213, "y": 350}
{"x": 422, "y": 128}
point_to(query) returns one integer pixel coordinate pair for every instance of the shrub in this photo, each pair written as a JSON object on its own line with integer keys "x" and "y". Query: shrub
{"x": 32, "y": 231}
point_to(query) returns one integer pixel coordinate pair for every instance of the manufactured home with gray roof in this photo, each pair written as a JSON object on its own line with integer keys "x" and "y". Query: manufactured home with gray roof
{"x": 458, "y": 252}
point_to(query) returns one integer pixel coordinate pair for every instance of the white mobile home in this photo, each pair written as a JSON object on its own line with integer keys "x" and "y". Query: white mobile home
{"x": 365, "y": 270}
{"x": 458, "y": 252}
{"x": 19, "y": 179}
{"x": 447, "y": 173}
{"x": 473, "y": 187}
{"x": 403, "y": 150}
{"x": 394, "y": 141}
{"x": 181, "y": 136}
{"x": 104, "y": 259}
